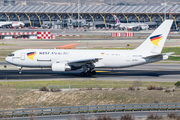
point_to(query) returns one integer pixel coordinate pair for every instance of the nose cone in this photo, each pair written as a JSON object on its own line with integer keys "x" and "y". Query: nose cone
{"x": 7, "y": 59}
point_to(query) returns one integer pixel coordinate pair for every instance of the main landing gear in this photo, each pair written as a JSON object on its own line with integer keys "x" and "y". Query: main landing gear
{"x": 88, "y": 73}
{"x": 88, "y": 70}
{"x": 20, "y": 70}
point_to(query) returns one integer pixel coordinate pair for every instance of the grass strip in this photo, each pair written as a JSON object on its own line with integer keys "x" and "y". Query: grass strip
{"x": 171, "y": 49}
{"x": 80, "y": 84}
{"x": 2, "y": 44}
{"x": 174, "y": 58}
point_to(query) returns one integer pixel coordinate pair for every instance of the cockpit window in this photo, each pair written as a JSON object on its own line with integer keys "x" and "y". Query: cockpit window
{"x": 11, "y": 55}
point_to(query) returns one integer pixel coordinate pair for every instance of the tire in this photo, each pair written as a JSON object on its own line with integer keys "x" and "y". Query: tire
{"x": 87, "y": 74}
{"x": 82, "y": 74}
{"x": 93, "y": 72}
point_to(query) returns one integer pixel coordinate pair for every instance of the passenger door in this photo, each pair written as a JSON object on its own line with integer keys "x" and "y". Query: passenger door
{"x": 22, "y": 56}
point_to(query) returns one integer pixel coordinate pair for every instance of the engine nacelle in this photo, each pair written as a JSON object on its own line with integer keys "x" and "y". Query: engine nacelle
{"x": 165, "y": 57}
{"x": 60, "y": 67}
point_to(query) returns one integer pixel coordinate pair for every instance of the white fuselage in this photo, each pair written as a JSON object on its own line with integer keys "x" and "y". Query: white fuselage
{"x": 5, "y": 23}
{"x": 17, "y": 24}
{"x": 14, "y": 24}
{"x": 133, "y": 25}
{"x": 46, "y": 57}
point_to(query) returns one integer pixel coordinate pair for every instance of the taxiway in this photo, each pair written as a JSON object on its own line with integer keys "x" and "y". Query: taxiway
{"x": 161, "y": 72}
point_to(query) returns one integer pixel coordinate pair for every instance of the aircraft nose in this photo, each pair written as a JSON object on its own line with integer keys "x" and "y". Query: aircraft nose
{"x": 7, "y": 59}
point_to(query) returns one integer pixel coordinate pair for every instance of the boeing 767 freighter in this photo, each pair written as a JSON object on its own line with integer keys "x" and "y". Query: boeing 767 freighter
{"x": 61, "y": 60}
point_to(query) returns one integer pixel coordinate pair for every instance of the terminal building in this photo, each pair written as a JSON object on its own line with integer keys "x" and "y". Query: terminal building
{"x": 9, "y": 2}
{"x": 89, "y": 15}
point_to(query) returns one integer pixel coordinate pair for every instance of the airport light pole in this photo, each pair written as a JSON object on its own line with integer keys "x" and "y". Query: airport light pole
{"x": 165, "y": 11}
{"x": 78, "y": 14}
{"x": 111, "y": 2}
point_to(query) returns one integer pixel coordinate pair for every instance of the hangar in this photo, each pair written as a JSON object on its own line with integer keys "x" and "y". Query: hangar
{"x": 36, "y": 15}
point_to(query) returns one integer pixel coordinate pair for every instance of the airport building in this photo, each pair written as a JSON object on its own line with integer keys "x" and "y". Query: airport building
{"x": 101, "y": 16}
{"x": 9, "y": 2}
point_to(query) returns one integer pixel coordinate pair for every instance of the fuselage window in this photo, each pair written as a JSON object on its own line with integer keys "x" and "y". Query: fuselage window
{"x": 137, "y": 55}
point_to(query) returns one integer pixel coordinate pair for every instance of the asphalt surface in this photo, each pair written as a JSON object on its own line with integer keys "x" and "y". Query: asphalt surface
{"x": 149, "y": 72}
{"x": 117, "y": 115}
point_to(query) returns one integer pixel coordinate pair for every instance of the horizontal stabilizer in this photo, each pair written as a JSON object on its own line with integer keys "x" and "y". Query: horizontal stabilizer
{"x": 168, "y": 54}
{"x": 158, "y": 55}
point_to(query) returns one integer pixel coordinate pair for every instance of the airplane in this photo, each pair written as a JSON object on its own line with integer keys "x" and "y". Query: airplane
{"x": 18, "y": 24}
{"x": 61, "y": 60}
{"x": 11, "y": 24}
{"x": 130, "y": 26}
{"x": 5, "y": 24}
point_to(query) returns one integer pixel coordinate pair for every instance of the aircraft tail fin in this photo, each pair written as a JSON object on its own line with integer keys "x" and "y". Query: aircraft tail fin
{"x": 127, "y": 28}
{"x": 155, "y": 42}
{"x": 116, "y": 20}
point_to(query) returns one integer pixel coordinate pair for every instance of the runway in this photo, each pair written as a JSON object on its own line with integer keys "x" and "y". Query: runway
{"x": 150, "y": 72}
{"x": 117, "y": 115}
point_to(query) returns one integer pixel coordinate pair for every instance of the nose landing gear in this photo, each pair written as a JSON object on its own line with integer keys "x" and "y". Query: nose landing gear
{"x": 20, "y": 70}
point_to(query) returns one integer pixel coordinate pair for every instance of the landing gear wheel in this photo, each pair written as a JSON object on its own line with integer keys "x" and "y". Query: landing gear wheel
{"x": 87, "y": 74}
{"x": 93, "y": 72}
{"x": 20, "y": 70}
{"x": 82, "y": 74}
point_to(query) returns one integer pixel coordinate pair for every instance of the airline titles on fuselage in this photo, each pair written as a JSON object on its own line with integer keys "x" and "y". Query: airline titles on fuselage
{"x": 53, "y": 53}
{"x": 67, "y": 53}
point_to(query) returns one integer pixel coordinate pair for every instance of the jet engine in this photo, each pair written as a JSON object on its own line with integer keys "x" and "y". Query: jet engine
{"x": 60, "y": 67}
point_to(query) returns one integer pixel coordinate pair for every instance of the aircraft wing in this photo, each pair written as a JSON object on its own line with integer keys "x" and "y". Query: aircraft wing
{"x": 123, "y": 25}
{"x": 84, "y": 61}
{"x": 133, "y": 26}
{"x": 158, "y": 55}
{"x": 4, "y": 23}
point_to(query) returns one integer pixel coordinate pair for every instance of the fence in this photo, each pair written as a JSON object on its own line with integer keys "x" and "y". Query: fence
{"x": 91, "y": 109}
{"x": 65, "y": 86}
{"x": 128, "y": 34}
{"x": 27, "y": 35}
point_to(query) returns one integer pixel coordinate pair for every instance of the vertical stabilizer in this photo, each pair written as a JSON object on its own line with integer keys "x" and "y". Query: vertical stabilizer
{"x": 116, "y": 20}
{"x": 155, "y": 42}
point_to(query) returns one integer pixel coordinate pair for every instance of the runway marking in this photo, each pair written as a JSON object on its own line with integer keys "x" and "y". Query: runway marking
{"x": 103, "y": 71}
{"x": 110, "y": 71}
{"x": 92, "y": 79}
{"x": 8, "y": 67}
{"x": 118, "y": 72}
{"x": 159, "y": 69}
